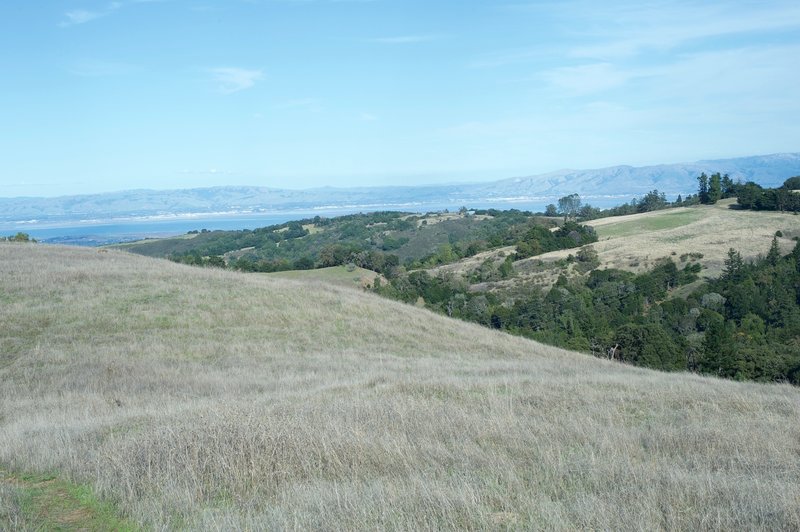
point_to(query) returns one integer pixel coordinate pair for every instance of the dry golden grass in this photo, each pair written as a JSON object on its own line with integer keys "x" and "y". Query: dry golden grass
{"x": 638, "y": 241}
{"x": 635, "y": 242}
{"x": 468, "y": 265}
{"x": 207, "y": 399}
{"x": 349, "y": 276}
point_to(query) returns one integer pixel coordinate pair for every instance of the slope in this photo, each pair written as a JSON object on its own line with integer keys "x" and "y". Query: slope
{"x": 636, "y": 241}
{"x": 197, "y": 398}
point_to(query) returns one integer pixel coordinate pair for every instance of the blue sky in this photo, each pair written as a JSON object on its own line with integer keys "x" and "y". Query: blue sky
{"x": 99, "y": 96}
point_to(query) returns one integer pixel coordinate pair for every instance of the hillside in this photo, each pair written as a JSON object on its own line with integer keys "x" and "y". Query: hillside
{"x": 207, "y": 399}
{"x": 636, "y": 242}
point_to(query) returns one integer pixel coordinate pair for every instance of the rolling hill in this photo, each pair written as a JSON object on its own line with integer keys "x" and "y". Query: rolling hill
{"x": 207, "y": 399}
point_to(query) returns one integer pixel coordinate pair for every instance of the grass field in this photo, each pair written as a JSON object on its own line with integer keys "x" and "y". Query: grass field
{"x": 637, "y": 242}
{"x": 638, "y": 224}
{"x": 339, "y": 275}
{"x": 205, "y": 399}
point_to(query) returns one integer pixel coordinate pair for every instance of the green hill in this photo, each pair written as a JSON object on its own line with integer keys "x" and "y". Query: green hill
{"x": 209, "y": 399}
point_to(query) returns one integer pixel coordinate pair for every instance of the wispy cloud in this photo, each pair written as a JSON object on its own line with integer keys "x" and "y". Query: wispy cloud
{"x": 627, "y": 30}
{"x": 646, "y": 27}
{"x": 82, "y": 16}
{"x": 368, "y": 117}
{"x": 233, "y": 79}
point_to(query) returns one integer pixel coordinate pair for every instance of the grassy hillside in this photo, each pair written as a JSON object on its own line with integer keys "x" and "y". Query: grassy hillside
{"x": 202, "y": 398}
{"x": 634, "y": 242}
{"x": 339, "y": 275}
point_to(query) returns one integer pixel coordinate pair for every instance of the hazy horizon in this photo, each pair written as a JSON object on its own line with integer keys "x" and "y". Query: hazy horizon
{"x": 103, "y": 96}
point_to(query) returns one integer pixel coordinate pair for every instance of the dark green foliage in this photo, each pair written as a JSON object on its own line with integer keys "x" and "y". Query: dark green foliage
{"x": 702, "y": 188}
{"x": 19, "y": 237}
{"x": 539, "y": 239}
{"x": 652, "y": 201}
{"x": 785, "y": 198}
{"x": 648, "y": 345}
{"x": 793, "y": 183}
{"x": 714, "y": 188}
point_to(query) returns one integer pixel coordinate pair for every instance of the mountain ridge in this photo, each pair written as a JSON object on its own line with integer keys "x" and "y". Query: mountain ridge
{"x": 615, "y": 181}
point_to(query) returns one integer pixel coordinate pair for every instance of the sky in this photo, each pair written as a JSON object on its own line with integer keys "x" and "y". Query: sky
{"x": 100, "y": 95}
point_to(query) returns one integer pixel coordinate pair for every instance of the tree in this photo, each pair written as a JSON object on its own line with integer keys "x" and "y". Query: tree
{"x": 749, "y": 195}
{"x": 702, "y": 189}
{"x": 714, "y": 188}
{"x": 569, "y": 205}
{"x": 19, "y": 237}
{"x": 733, "y": 267}
{"x": 793, "y": 183}
{"x": 774, "y": 254}
{"x": 648, "y": 345}
{"x": 652, "y": 201}
{"x": 728, "y": 187}
{"x": 550, "y": 210}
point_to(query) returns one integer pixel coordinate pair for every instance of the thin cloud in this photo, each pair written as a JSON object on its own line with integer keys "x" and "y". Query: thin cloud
{"x": 82, "y": 16}
{"x": 679, "y": 27}
{"x": 233, "y": 79}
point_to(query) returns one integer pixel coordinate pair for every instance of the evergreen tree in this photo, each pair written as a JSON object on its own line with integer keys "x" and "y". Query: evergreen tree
{"x": 728, "y": 187}
{"x": 733, "y": 267}
{"x": 702, "y": 189}
{"x": 774, "y": 254}
{"x": 714, "y": 188}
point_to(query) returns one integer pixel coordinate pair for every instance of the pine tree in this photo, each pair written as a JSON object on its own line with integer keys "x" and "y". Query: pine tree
{"x": 702, "y": 190}
{"x": 714, "y": 188}
{"x": 733, "y": 266}
{"x": 774, "y": 254}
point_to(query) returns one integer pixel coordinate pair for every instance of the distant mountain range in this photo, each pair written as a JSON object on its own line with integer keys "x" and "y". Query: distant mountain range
{"x": 616, "y": 181}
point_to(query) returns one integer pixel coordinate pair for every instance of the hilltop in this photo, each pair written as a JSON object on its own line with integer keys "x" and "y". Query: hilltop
{"x": 204, "y": 398}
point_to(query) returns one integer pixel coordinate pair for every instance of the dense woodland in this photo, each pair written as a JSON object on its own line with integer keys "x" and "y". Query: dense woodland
{"x": 743, "y": 325}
